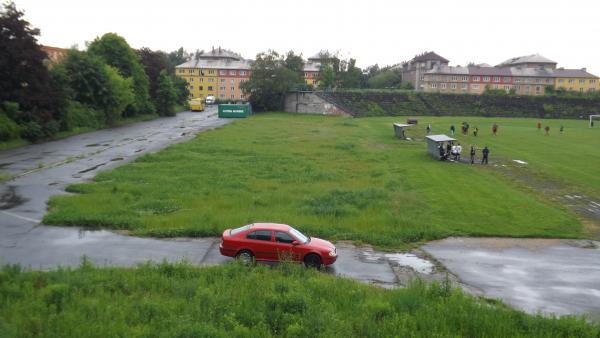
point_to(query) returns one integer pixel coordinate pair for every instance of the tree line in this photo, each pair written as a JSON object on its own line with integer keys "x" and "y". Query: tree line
{"x": 274, "y": 74}
{"x": 94, "y": 88}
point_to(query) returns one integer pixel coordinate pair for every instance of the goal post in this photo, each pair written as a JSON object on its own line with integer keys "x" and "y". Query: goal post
{"x": 592, "y": 119}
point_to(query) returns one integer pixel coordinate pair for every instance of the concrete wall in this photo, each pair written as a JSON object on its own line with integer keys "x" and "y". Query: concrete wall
{"x": 311, "y": 103}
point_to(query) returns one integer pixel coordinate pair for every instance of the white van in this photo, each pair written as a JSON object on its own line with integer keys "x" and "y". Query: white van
{"x": 210, "y": 99}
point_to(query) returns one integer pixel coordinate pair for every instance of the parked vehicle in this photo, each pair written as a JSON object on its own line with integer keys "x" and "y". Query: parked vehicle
{"x": 210, "y": 99}
{"x": 273, "y": 242}
{"x": 196, "y": 104}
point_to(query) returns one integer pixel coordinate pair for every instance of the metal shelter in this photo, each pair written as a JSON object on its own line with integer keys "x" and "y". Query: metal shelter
{"x": 433, "y": 144}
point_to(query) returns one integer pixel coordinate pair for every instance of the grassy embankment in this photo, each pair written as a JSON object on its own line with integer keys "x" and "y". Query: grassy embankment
{"x": 339, "y": 178}
{"x": 233, "y": 301}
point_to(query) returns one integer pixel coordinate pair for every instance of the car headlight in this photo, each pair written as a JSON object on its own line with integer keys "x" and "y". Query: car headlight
{"x": 333, "y": 253}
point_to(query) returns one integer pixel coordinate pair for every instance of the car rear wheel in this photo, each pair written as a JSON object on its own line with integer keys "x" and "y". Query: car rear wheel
{"x": 312, "y": 261}
{"x": 245, "y": 257}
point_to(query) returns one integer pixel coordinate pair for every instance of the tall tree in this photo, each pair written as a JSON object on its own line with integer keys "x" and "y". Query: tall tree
{"x": 166, "y": 96}
{"x": 269, "y": 81}
{"x": 154, "y": 62}
{"x": 352, "y": 76}
{"x": 177, "y": 57}
{"x": 327, "y": 77}
{"x": 116, "y": 52}
{"x": 23, "y": 77}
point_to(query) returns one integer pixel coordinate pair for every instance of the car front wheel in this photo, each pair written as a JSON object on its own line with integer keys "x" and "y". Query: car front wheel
{"x": 312, "y": 261}
{"x": 245, "y": 257}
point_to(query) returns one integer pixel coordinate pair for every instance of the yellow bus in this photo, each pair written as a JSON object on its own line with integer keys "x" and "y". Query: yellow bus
{"x": 196, "y": 104}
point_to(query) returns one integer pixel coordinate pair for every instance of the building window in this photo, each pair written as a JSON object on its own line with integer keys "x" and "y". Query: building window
{"x": 571, "y": 81}
{"x": 232, "y": 88}
{"x": 210, "y": 79}
{"x": 496, "y": 78}
{"x": 486, "y": 79}
{"x": 443, "y": 86}
{"x": 422, "y": 77}
{"x": 434, "y": 85}
{"x": 222, "y": 80}
{"x": 464, "y": 86}
{"x": 222, "y": 72}
{"x": 517, "y": 88}
{"x": 191, "y": 71}
{"x": 232, "y": 96}
{"x": 232, "y": 72}
{"x": 210, "y": 88}
{"x": 581, "y": 81}
{"x": 475, "y": 86}
{"x": 201, "y": 79}
{"x": 454, "y": 78}
{"x": 201, "y": 88}
{"x": 243, "y": 72}
{"x": 222, "y": 88}
{"x": 211, "y": 71}
{"x": 476, "y": 78}
{"x": 222, "y": 96}
{"x": 581, "y": 90}
{"x": 538, "y": 80}
{"x": 592, "y": 81}
{"x": 591, "y": 90}
{"x": 507, "y": 88}
{"x": 232, "y": 82}
{"x": 453, "y": 85}
{"x": 191, "y": 87}
{"x": 548, "y": 80}
{"x": 506, "y": 79}
{"x": 465, "y": 78}
{"x": 518, "y": 80}
{"x": 538, "y": 89}
{"x": 561, "y": 81}
{"x": 305, "y": 74}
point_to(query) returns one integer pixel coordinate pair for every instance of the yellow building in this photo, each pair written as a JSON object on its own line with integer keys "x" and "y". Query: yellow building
{"x": 578, "y": 80}
{"x": 218, "y": 72}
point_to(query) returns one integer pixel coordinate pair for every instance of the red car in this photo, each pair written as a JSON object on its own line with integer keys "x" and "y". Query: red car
{"x": 270, "y": 242}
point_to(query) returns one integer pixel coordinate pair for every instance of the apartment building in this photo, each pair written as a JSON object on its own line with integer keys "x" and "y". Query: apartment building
{"x": 414, "y": 71}
{"x": 218, "y": 72}
{"x": 524, "y": 75}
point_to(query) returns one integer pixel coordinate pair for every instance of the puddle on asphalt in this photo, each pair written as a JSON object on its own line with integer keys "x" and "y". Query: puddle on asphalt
{"x": 402, "y": 259}
{"x": 406, "y": 259}
{"x": 11, "y": 199}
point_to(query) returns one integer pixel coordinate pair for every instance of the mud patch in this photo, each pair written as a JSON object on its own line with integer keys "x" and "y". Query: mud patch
{"x": 11, "y": 199}
{"x": 91, "y": 168}
{"x": 117, "y": 159}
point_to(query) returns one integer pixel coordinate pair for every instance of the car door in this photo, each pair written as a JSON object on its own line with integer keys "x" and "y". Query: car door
{"x": 262, "y": 245}
{"x": 284, "y": 247}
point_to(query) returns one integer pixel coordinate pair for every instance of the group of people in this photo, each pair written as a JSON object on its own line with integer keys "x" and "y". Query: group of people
{"x": 453, "y": 151}
{"x": 547, "y": 128}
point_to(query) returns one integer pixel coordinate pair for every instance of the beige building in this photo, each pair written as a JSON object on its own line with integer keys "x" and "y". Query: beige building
{"x": 414, "y": 71}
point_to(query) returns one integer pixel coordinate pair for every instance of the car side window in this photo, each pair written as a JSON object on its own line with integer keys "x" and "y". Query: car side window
{"x": 283, "y": 237}
{"x": 260, "y": 235}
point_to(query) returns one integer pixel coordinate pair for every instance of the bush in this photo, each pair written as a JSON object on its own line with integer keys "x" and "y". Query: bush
{"x": 32, "y": 131}
{"x": 8, "y": 128}
{"x": 79, "y": 115}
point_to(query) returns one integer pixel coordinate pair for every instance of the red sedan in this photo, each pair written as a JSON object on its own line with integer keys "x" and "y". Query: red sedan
{"x": 271, "y": 242}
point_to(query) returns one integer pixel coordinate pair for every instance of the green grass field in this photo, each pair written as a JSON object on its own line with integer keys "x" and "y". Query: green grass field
{"x": 179, "y": 300}
{"x": 343, "y": 178}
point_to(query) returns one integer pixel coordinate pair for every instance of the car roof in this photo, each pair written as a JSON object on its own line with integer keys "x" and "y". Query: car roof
{"x": 271, "y": 226}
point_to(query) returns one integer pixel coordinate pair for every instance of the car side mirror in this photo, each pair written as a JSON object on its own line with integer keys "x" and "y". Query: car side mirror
{"x": 295, "y": 242}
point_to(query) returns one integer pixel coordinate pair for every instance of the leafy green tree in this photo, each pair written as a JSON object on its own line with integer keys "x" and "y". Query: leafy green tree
{"x": 175, "y": 58}
{"x": 351, "y": 77}
{"x": 269, "y": 81}
{"x": 122, "y": 94}
{"x": 116, "y": 52}
{"x": 327, "y": 77}
{"x": 154, "y": 62}
{"x": 385, "y": 79}
{"x": 181, "y": 89}
{"x": 23, "y": 77}
{"x": 166, "y": 95}
{"x": 294, "y": 63}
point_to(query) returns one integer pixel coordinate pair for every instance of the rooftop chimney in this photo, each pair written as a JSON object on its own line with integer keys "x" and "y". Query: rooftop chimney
{"x": 584, "y": 69}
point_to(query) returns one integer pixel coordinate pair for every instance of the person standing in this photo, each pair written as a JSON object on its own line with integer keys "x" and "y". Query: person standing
{"x": 472, "y": 154}
{"x": 442, "y": 153}
{"x": 547, "y": 129}
{"x": 449, "y": 148}
{"x": 562, "y": 128}
{"x": 452, "y": 129}
{"x": 458, "y": 151}
{"x": 539, "y": 126}
{"x": 475, "y": 131}
{"x": 494, "y": 129}
{"x": 486, "y": 153}
{"x": 428, "y": 128}
{"x": 454, "y": 152}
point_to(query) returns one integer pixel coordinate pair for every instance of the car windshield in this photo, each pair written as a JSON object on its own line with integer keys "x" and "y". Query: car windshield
{"x": 299, "y": 236}
{"x": 240, "y": 229}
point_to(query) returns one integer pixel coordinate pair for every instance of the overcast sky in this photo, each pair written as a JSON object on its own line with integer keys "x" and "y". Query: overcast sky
{"x": 374, "y": 31}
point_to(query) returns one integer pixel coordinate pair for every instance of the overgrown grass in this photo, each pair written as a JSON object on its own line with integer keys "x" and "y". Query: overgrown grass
{"x": 178, "y": 300}
{"x": 337, "y": 178}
